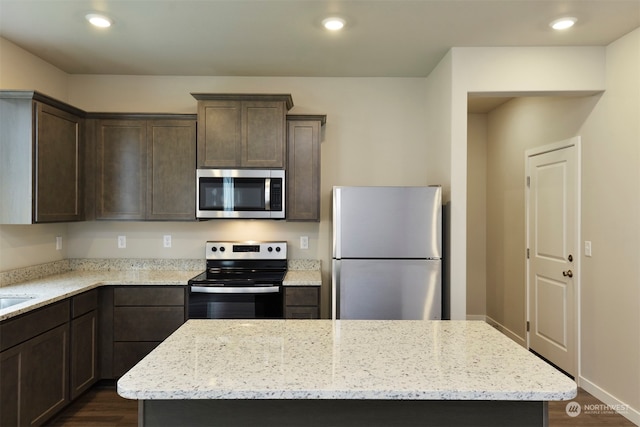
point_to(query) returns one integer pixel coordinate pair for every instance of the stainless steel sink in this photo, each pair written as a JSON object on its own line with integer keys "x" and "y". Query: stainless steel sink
{"x": 6, "y": 302}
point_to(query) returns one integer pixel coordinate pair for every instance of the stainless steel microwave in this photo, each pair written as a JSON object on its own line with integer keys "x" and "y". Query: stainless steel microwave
{"x": 240, "y": 193}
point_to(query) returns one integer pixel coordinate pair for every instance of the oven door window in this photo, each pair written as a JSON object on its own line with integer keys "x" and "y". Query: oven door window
{"x": 232, "y": 194}
{"x": 235, "y": 306}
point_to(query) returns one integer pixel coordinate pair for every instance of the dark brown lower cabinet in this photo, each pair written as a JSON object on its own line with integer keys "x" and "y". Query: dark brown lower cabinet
{"x": 84, "y": 342}
{"x": 302, "y": 302}
{"x": 142, "y": 317}
{"x": 35, "y": 378}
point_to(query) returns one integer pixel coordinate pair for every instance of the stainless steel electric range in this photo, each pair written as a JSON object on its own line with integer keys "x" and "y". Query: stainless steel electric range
{"x": 243, "y": 280}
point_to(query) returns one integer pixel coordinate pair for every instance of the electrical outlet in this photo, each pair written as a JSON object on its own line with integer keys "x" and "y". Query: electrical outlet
{"x": 304, "y": 242}
{"x": 122, "y": 242}
{"x": 166, "y": 240}
{"x": 58, "y": 243}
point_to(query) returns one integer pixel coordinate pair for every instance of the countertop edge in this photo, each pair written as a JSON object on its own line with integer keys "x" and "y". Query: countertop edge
{"x": 53, "y": 288}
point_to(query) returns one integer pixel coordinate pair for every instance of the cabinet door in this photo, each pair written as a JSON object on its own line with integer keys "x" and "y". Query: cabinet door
{"x": 45, "y": 390}
{"x": 171, "y": 164}
{"x": 84, "y": 353}
{"x": 302, "y": 302}
{"x": 219, "y": 131}
{"x": 263, "y": 134}
{"x": 121, "y": 169}
{"x": 303, "y": 170}
{"x": 59, "y": 165}
{"x": 12, "y": 376}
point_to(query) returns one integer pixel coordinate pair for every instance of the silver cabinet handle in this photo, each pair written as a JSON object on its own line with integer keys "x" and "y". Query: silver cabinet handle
{"x": 235, "y": 289}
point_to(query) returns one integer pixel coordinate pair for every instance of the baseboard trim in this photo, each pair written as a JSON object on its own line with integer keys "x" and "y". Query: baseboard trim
{"x": 508, "y": 332}
{"x": 607, "y": 398}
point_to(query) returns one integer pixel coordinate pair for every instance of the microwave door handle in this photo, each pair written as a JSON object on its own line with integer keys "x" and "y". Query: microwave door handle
{"x": 235, "y": 289}
{"x": 267, "y": 194}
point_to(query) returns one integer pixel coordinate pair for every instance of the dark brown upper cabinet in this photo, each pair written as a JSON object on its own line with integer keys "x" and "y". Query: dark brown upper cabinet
{"x": 303, "y": 167}
{"x": 242, "y": 130}
{"x": 144, "y": 166}
{"x": 41, "y": 159}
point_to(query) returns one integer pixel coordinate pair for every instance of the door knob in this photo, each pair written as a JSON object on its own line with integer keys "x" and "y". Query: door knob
{"x": 567, "y": 273}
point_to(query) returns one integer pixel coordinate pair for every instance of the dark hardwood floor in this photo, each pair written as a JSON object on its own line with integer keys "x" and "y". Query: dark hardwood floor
{"x": 102, "y": 407}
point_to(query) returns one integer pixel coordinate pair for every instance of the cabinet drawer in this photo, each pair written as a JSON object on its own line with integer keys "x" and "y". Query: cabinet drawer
{"x": 301, "y": 296}
{"x": 34, "y": 323}
{"x": 84, "y": 303}
{"x": 149, "y": 296}
{"x": 302, "y": 313}
{"x": 146, "y": 323}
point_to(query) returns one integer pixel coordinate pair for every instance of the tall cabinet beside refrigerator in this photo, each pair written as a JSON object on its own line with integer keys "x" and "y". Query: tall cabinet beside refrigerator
{"x": 387, "y": 253}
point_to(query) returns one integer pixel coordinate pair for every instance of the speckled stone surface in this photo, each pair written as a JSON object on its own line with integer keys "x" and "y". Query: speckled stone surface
{"x": 55, "y": 281}
{"x": 342, "y": 359}
{"x": 303, "y": 272}
{"x": 302, "y": 278}
{"x": 49, "y": 289}
{"x": 303, "y": 264}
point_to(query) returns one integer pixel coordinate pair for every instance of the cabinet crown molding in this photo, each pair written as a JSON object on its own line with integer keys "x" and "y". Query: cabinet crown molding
{"x": 245, "y": 97}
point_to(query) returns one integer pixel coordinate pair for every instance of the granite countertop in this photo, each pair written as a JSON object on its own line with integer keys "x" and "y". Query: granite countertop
{"x": 342, "y": 359}
{"x": 57, "y": 281}
{"x": 50, "y": 289}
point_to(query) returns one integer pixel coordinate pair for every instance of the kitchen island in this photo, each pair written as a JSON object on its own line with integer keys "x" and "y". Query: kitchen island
{"x": 344, "y": 372}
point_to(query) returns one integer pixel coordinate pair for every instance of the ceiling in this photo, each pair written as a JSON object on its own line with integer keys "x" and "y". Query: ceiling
{"x": 382, "y": 38}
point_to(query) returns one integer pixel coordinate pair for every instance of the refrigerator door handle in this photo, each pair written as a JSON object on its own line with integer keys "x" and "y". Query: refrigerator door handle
{"x": 337, "y": 223}
{"x": 335, "y": 289}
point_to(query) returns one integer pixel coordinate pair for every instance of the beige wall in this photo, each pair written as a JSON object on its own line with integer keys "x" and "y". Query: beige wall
{"x": 477, "y": 216}
{"x": 513, "y": 128}
{"x": 20, "y": 245}
{"x": 610, "y": 295}
{"x": 608, "y": 125}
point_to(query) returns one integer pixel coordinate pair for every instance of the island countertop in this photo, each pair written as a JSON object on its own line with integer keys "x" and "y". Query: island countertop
{"x": 342, "y": 359}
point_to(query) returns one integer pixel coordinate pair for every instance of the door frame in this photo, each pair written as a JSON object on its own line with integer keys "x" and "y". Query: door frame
{"x": 555, "y": 146}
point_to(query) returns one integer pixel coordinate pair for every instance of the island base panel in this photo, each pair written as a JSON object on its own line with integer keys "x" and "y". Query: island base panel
{"x": 352, "y": 413}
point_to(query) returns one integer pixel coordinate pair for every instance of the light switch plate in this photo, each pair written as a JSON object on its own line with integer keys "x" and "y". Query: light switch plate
{"x": 122, "y": 242}
{"x": 304, "y": 242}
{"x": 166, "y": 240}
{"x": 587, "y": 248}
{"x": 58, "y": 243}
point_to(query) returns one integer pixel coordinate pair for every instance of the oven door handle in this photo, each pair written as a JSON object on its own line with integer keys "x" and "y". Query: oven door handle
{"x": 235, "y": 289}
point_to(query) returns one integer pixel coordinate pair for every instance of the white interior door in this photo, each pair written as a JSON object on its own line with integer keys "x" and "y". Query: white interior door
{"x": 553, "y": 260}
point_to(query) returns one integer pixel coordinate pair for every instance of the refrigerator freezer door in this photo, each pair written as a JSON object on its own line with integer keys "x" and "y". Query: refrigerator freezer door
{"x": 387, "y": 289}
{"x": 387, "y": 222}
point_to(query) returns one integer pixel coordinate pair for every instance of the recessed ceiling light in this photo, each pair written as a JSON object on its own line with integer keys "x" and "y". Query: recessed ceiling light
{"x": 563, "y": 23}
{"x": 333, "y": 23}
{"x": 98, "y": 20}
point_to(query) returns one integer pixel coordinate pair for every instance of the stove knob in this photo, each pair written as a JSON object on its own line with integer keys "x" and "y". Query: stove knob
{"x": 222, "y": 249}
{"x": 278, "y": 249}
{"x": 270, "y": 249}
{"x": 214, "y": 249}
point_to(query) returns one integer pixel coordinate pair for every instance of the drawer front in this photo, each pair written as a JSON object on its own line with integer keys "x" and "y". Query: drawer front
{"x": 84, "y": 303}
{"x": 146, "y": 323}
{"x": 149, "y": 296}
{"x": 301, "y": 296}
{"x": 302, "y": 313}
{"x": 29, "y": 325}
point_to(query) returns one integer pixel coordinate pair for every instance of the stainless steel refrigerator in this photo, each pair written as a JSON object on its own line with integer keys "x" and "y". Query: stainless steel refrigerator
{"x": 387, "y": 253}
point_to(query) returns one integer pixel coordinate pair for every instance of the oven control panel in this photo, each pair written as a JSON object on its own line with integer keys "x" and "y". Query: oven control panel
{"x": 246, "y": 250}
